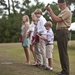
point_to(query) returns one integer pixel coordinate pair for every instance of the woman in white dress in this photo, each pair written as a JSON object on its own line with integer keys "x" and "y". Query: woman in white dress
{"x": 30, "y": 34}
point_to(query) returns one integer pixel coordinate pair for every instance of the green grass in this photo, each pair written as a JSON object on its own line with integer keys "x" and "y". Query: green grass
{"x": 12, "y": 60}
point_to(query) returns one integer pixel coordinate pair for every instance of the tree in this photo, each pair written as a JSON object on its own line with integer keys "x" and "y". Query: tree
{"x": 25, "y": 7}
{"x": 3, "y": 6}
{"x": 10, "y": 24}
{"x": 28, "y": 8}
{"x": 3, "y": 3}
{"x": 9, "y": 7}
{"x": 15, "y": 5}
{"x": 69, "y": 2}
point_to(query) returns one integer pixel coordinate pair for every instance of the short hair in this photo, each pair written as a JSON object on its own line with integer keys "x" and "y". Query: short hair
{"x": 35, "y": 19}
{"x": 38, "y": 11}
{"x": 48, "y": 23}
{"x": 33, "y": 15}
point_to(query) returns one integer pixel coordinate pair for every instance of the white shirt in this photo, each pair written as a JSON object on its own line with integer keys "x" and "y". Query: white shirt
{"x": 40, "y": 26}
{"x": 50, "y": 36}
{"x": 31, "y": 27}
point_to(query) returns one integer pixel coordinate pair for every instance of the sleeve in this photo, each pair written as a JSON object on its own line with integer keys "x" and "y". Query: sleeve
{"x": 65, "y": 15}
{"x": 50, "y": 37}
{"x": 42, "y": 22}
{"x": 32, "y": 28}
{"x": 40, "y": 26}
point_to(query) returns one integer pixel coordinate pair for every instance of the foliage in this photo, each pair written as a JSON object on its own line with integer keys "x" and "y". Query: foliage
{"x": 10, "y": 23}
{"x": 10, "y": 28}
{"x": 3, "y": 5}
{"x": 73, "y": 35}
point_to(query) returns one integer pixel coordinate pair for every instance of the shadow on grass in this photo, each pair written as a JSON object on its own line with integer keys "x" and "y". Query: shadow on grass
{"x": 23, "y": 69}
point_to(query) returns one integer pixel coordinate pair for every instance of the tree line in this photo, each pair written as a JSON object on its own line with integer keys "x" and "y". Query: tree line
{"x": 11, "y": 13}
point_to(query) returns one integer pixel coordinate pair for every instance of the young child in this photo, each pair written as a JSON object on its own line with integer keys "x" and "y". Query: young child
{"x": 41, "y": 30}
{"x": 49, "y": 44}
{"x": 30, "y": 34}
{"x": 36, "y": 43}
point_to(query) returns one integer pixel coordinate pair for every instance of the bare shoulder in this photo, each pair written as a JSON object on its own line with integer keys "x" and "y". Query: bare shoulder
{"x": 27, "y": 24}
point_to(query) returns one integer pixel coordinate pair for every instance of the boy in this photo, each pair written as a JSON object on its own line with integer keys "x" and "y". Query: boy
{"x": 41, "y": 31}
{"x": 49, "y": 44}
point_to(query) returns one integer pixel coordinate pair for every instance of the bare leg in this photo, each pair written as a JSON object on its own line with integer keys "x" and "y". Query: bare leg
{"x": 27, "y": 55}
{"x": 50, "y": 62}
{"x": 32, "y": 50}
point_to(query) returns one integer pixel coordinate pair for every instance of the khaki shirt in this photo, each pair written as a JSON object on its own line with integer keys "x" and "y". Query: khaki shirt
{"x": 66, "y": 16}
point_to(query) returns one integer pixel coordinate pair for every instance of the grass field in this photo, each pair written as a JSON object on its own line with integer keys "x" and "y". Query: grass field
{"x": 12, "y": 60}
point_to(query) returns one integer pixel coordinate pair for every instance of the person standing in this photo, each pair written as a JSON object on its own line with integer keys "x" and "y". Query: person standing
{"x": 30, "y": 35}
{"x": 25, "y": 40}
{"x": 41, "y": 30}
{"x": 49, "y": 44}
{"x": 63, "y": 21}
{"x": 49, "y": 38}
{"x": 35, "y": 41}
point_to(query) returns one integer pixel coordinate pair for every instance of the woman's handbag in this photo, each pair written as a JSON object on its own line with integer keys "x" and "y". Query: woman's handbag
{"x": 20, "y": 38}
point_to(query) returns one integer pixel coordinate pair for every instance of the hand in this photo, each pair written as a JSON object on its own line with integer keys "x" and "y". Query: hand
{"x": 48, "y": 8}
{"x": 28, "y": 34}
{"x": 38, "y": 34}
{"x": 21, "y": 38}
{"x": 33, "y": 40}
{"x": 43, "y": 37}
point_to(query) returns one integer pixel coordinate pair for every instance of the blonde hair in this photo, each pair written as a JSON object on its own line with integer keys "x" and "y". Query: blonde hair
{"x": 27, "y": 18}
{"x": 35, "y": 19}
{"x": 33, "y": 15}
{"x": 38, "y": 11}
{"x": 48, "y": 23}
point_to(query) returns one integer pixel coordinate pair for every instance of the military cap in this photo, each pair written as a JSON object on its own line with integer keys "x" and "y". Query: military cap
{"x": 61, "y": 1}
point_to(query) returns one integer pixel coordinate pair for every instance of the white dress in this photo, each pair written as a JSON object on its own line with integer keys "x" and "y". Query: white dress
{"x": 31, "y": 28}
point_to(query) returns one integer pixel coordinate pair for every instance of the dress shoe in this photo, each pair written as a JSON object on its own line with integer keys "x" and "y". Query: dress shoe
{"x": 60, "y": 73}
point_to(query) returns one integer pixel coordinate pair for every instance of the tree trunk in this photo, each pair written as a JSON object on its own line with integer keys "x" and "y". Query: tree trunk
{"x": 13, "y": 7}
{"x": 9, "y": 7}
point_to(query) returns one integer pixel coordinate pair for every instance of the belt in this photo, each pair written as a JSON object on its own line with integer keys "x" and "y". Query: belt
{"x": 62, "y": 28}
{"x": 49, "y": 44}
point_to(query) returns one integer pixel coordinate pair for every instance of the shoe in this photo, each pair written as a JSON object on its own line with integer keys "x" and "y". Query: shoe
{"x": 60, "y": 73}
{"x": 42, "y": 66}
{"x": 38, "y": 65}
{"x": 49, "y": 68}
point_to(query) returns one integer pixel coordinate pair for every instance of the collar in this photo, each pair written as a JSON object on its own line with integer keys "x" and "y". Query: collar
{"x": 48, "y": 30}
{"x": 40, "y": 17}
{"x": 64, "y": 9}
